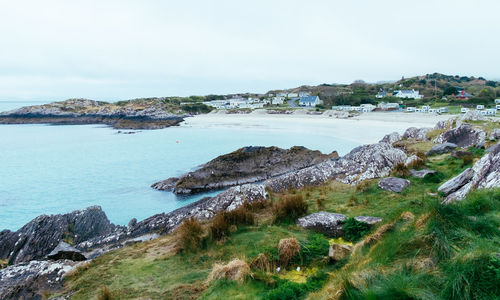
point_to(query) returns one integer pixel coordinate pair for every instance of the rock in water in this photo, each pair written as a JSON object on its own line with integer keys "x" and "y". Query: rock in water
{"x": 393, "y": 184}
{"x": 391, "y": 138}
{"x": 484, "y": 174}
{"x": 37, "y": 238}
{"x": 245, "y": 165}
{"x": 442, "y": 148}
{"x": 463, "y": 136}
{"x": 419, "y": 134}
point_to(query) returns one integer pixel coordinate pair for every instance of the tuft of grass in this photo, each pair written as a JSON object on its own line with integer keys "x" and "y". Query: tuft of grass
{"x": 288, "y": 249}
{"x": 289, "y": 208}
{"x": 400, "y": 170}
{"x": 190, "y": 235}
{"x": 223, "y": 221}
{"x": 104, "y": 294}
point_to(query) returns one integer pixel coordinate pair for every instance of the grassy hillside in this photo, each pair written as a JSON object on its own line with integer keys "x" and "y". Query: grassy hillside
{"x": 421, "y": 250}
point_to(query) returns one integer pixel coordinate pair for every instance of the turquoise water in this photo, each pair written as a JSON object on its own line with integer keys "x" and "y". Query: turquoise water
{"x": 48, "y": 169}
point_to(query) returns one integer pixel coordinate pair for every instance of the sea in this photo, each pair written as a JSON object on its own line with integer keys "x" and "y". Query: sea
{"x": 52, "y": 169}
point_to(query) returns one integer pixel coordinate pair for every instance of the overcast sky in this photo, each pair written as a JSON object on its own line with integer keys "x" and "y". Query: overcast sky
{"x": 53, "y": 50}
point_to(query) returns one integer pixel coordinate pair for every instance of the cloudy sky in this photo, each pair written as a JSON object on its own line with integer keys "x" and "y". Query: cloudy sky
{"x": 53, "y": 50}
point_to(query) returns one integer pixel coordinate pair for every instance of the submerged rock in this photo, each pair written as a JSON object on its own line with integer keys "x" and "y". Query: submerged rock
{"x": 484, "y": 174}
{"x": 442, "y": 148}
{"x": 245, "y": 165}
{"x": 463, "y": 136}
{"x": 393, "y": 184}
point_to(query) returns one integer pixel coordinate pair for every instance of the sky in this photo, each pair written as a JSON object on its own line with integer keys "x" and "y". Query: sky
{"x": 112, "y": 50}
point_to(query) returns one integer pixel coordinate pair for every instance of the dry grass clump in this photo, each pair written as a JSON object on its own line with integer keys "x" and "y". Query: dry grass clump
{"x": 288, "y": 248}
{"x": 261, "y": 263}
{"x": 104, "y": 294}
{"x": 225, "y": 220}
{"x": 190, "y": 235}
{"x": 320, "y": 202}
{"x": 363, "y": 186}
{"x": 419, "y": 162}
{"x": 401, "y": 170}
{"x": 236, "y": 270}
{"x": 374, "y": 237}
{"x": 289, "y": 208}
{"x": 407, "y": 216}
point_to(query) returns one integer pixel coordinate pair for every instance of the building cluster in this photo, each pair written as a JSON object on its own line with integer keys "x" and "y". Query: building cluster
{"x": 404, "y": 94}
{"x": 361, "y": 108}
{"x": 237, "y": 102}
{"x": 428, "y": 109}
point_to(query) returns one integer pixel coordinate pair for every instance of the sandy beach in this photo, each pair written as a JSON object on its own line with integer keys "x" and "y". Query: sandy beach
{"x": 364, "y": 128}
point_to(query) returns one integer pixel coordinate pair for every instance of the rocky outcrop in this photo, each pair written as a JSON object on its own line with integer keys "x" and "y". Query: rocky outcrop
{"x": 484, "y": 174}
{"x": 463, "y": 136}
{"x": 362, "y": 163}
{"x": 163, "y": 223}
{"x": 151, "y": 115}
{"x": 445, "y": 124}
{"x": 391, "y": 138}
{"x": 331, "y": 224}
{"x": 495, "y": 135}
{"x": 245, "y": 165}
{"x": 471, "y": 115}
{"x": 39, "y": 237}
{"x": 442, "y": 148}
{"x": 419, "y": 134}
{"x": 28, "y": 280}
{"x": 66, "y": 251}
{"x": 413, "y": 160}
{"x": 393, "y": 184}
{"x": 422, "y": 173}
{"x": 337, "y": 252}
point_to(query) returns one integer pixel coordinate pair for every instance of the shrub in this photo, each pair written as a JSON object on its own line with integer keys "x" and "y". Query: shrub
{"x": 190, "y": 235}
{"x": 224, "y": 220}
{"x": 288, "y": 248}
{"x": 363, "y": 186}
{"x": 467, "y": 160}
{"x": 354, "y": 230}
{"x": 316, "y": 247}
{"x": 320, "y": 203}
{"x": 236, "y": 270}
{"x": 400, "y": 170}
{"x": 261, "y": 263}
{"x": 289, "y": 208}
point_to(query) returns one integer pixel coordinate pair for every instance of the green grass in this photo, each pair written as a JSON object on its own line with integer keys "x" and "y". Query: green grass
{"x": 421, "y": 250}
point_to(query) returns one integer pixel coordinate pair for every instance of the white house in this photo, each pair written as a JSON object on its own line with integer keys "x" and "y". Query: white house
{"x": 480, "y": 107}
{"x": 304, "y": 94}
{"x": 443, "y": 110}
{"x": 277, "y": 100}
{"x": 409, "y": 94}
{"x": 310, "y": 101}
{"x": 411, "y": 109}
{"x": 464, "y": 110}
{"x": 491, "y": 112}
{"x": 292, "y": 95}
{"x": 367, "y": 107}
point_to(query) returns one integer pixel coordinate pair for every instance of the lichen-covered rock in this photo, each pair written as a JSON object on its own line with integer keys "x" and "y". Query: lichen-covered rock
{"x": 411, "y": 160}
{"x": 445, "y": 124}
{"x": 391, "y": 138}
{"x": 419, "y": 134}
{"x": 362, "y": 163}
{"x": 393, "y": 184}
{"x": 329, "y": 224}
{"x": 471, "y": 115}
{"x": 37, "y": 238}
{"x": 245, "y": 165}
{"x": 368, "y": 219}
{"x": 442, "y": 148}
{"x": 484, "y": 174}
{"x": 463, "y": 136}
{"x": 28, "y": 280}
{"x": 338, "y": 252}
{"x": 495, "y": 134}
{"x": 421, "y": 173}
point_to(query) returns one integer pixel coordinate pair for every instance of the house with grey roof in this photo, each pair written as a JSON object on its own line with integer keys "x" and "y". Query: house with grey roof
{"x": 310, "y": 101}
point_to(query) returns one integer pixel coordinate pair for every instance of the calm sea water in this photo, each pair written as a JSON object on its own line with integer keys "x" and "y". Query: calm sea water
{"x": 56, "y": 169}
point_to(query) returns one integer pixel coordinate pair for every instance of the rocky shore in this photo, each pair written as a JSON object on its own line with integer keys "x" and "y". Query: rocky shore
{"x": 245, "y": 165}
{"x": 89, "y": 233}
{"x": 151, "y": 115}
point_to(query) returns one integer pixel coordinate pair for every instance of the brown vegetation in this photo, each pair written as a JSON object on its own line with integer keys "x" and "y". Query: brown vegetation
{"x": 288, "y": 248}
{"x": 190, "y": 235}
{"x": 289, "y": 208}
{"x": 236, "y": 270}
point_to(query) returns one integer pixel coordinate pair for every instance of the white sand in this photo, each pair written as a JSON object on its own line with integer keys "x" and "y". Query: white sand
{"x": 365, "y": 128}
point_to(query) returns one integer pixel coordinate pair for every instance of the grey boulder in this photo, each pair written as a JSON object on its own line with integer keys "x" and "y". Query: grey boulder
{"x": 393, "y": 184}
{"x": 463, "y": 136}
{"x": 442, "y": 148}
{"x": 419, "y": 134}
{"x": 421, "y": 173}
{"x": 66, "y": 251}
{"x": 327, "y": 223}
{"x": 391, "y": 138}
